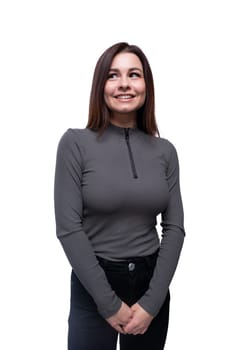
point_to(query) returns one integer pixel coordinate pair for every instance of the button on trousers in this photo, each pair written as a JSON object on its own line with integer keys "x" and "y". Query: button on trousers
{"x": 88, "y": 330}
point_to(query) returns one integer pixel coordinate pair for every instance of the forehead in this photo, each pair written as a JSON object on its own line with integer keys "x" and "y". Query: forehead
{"x": 126, "y": 60}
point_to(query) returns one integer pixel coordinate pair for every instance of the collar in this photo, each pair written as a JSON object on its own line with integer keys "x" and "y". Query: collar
{"x": 121, "y": 129}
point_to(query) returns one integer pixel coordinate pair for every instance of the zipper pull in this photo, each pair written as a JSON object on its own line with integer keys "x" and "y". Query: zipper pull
{"x": 127, "y": 133}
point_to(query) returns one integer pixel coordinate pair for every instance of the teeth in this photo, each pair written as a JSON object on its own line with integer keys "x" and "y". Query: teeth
{"x": 125, "y": 96}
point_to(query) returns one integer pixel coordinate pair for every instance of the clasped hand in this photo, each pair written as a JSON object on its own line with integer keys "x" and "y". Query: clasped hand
{"x": 130, "y": 320}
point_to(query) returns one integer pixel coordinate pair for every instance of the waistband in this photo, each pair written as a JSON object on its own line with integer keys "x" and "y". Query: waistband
{"x": 148, "y": 260}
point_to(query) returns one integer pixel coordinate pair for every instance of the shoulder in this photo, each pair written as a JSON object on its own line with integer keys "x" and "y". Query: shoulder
{"x": 72, "y": 133}
{"x": 71, "y": 145}
{"x": 74, "y": 136}
{"x": 166, "y": 146}
{"x": 167, "y": 151}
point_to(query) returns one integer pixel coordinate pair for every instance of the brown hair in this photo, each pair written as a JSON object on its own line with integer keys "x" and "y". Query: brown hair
{"x": 99, "y": 113}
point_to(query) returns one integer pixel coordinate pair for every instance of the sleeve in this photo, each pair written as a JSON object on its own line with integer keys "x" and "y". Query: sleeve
{"x": 173, "y": 234}
{"x": 68, "y": 216}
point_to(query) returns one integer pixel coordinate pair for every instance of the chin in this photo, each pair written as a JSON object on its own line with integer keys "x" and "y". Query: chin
{"x": 125, "y": 111}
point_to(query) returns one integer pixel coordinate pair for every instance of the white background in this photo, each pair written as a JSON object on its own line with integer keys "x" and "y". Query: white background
{"x": 48, "y": 53}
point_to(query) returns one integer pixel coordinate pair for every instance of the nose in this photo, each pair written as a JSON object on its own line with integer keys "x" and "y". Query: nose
{"x": 124, "y": 83}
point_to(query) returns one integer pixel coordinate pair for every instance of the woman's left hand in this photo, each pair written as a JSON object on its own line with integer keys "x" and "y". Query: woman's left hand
{"x": 140, "y": 321}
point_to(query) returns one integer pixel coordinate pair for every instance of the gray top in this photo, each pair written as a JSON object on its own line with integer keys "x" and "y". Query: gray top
{"x": 107, "y": 194}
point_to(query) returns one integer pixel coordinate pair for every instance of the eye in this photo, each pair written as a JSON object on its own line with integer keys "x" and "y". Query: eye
{"x": 112, "y": 76}
{"x": 134, "y": 75}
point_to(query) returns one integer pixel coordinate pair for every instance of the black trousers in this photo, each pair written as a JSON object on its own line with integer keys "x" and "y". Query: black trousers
{"x": 88, "y": 330}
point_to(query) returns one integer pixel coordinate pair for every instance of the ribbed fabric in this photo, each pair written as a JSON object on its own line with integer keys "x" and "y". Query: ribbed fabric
{"x": 107, "y": 194}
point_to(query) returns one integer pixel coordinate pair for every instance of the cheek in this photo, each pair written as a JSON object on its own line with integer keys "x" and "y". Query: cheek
{"x": 106, "y": 100}
{"x": 141, "y": 89}
{"x": 106, "y": 93}
{"x": 144, "y": 89}
{"x": 142, "y": 92}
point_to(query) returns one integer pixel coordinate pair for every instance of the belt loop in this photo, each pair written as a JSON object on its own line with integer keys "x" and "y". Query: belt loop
{"x": 151, "y": 260}
{"x": 148, "y": 262}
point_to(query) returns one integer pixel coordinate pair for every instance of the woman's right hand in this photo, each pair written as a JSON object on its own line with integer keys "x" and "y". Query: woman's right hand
{"x": 121, "y": 318}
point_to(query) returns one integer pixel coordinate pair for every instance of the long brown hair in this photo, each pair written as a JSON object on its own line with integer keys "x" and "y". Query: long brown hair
{"x": 99, "y": 113}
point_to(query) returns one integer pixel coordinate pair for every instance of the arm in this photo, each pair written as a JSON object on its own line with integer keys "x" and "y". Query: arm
{"x": 173, "y": 234}
{"x": 68, "y": 215}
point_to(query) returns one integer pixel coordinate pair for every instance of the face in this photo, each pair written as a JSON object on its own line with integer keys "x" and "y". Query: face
{"x": 125, "y": 88}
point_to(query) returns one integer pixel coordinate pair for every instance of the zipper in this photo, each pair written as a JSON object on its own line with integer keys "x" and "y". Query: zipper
{"x": 130, "y": 153}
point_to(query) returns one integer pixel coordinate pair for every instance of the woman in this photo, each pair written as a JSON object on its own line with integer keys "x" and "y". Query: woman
{"x": 112, "y": 179}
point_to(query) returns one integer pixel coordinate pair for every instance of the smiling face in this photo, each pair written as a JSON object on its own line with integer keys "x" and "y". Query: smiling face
{"x": 125, "y": 88}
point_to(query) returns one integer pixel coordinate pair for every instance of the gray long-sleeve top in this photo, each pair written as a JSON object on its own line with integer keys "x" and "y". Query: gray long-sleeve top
{"x": 107, "y": 195}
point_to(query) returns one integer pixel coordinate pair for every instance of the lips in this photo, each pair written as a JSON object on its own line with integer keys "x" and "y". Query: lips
{"x": 124, "y": 96}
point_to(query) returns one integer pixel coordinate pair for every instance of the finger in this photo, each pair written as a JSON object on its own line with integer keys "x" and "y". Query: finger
{"x": 120, "y": 329}
{"x": 142, "y": 331}
{"x": 131, "y": 331}
{"x": 138, "y": 331}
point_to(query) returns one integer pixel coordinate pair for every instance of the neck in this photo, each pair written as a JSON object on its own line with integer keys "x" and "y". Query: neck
{"x": 124, "y": 123}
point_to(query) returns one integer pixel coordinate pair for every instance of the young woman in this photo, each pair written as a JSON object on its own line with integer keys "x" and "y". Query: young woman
{"x": 112, "y": 179}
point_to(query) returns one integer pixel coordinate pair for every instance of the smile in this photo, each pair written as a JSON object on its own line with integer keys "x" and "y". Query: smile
{"x": 124, "y": 97}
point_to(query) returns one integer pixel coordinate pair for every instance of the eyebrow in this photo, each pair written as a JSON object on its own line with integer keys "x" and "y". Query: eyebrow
{"x": 130, "y": 69}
